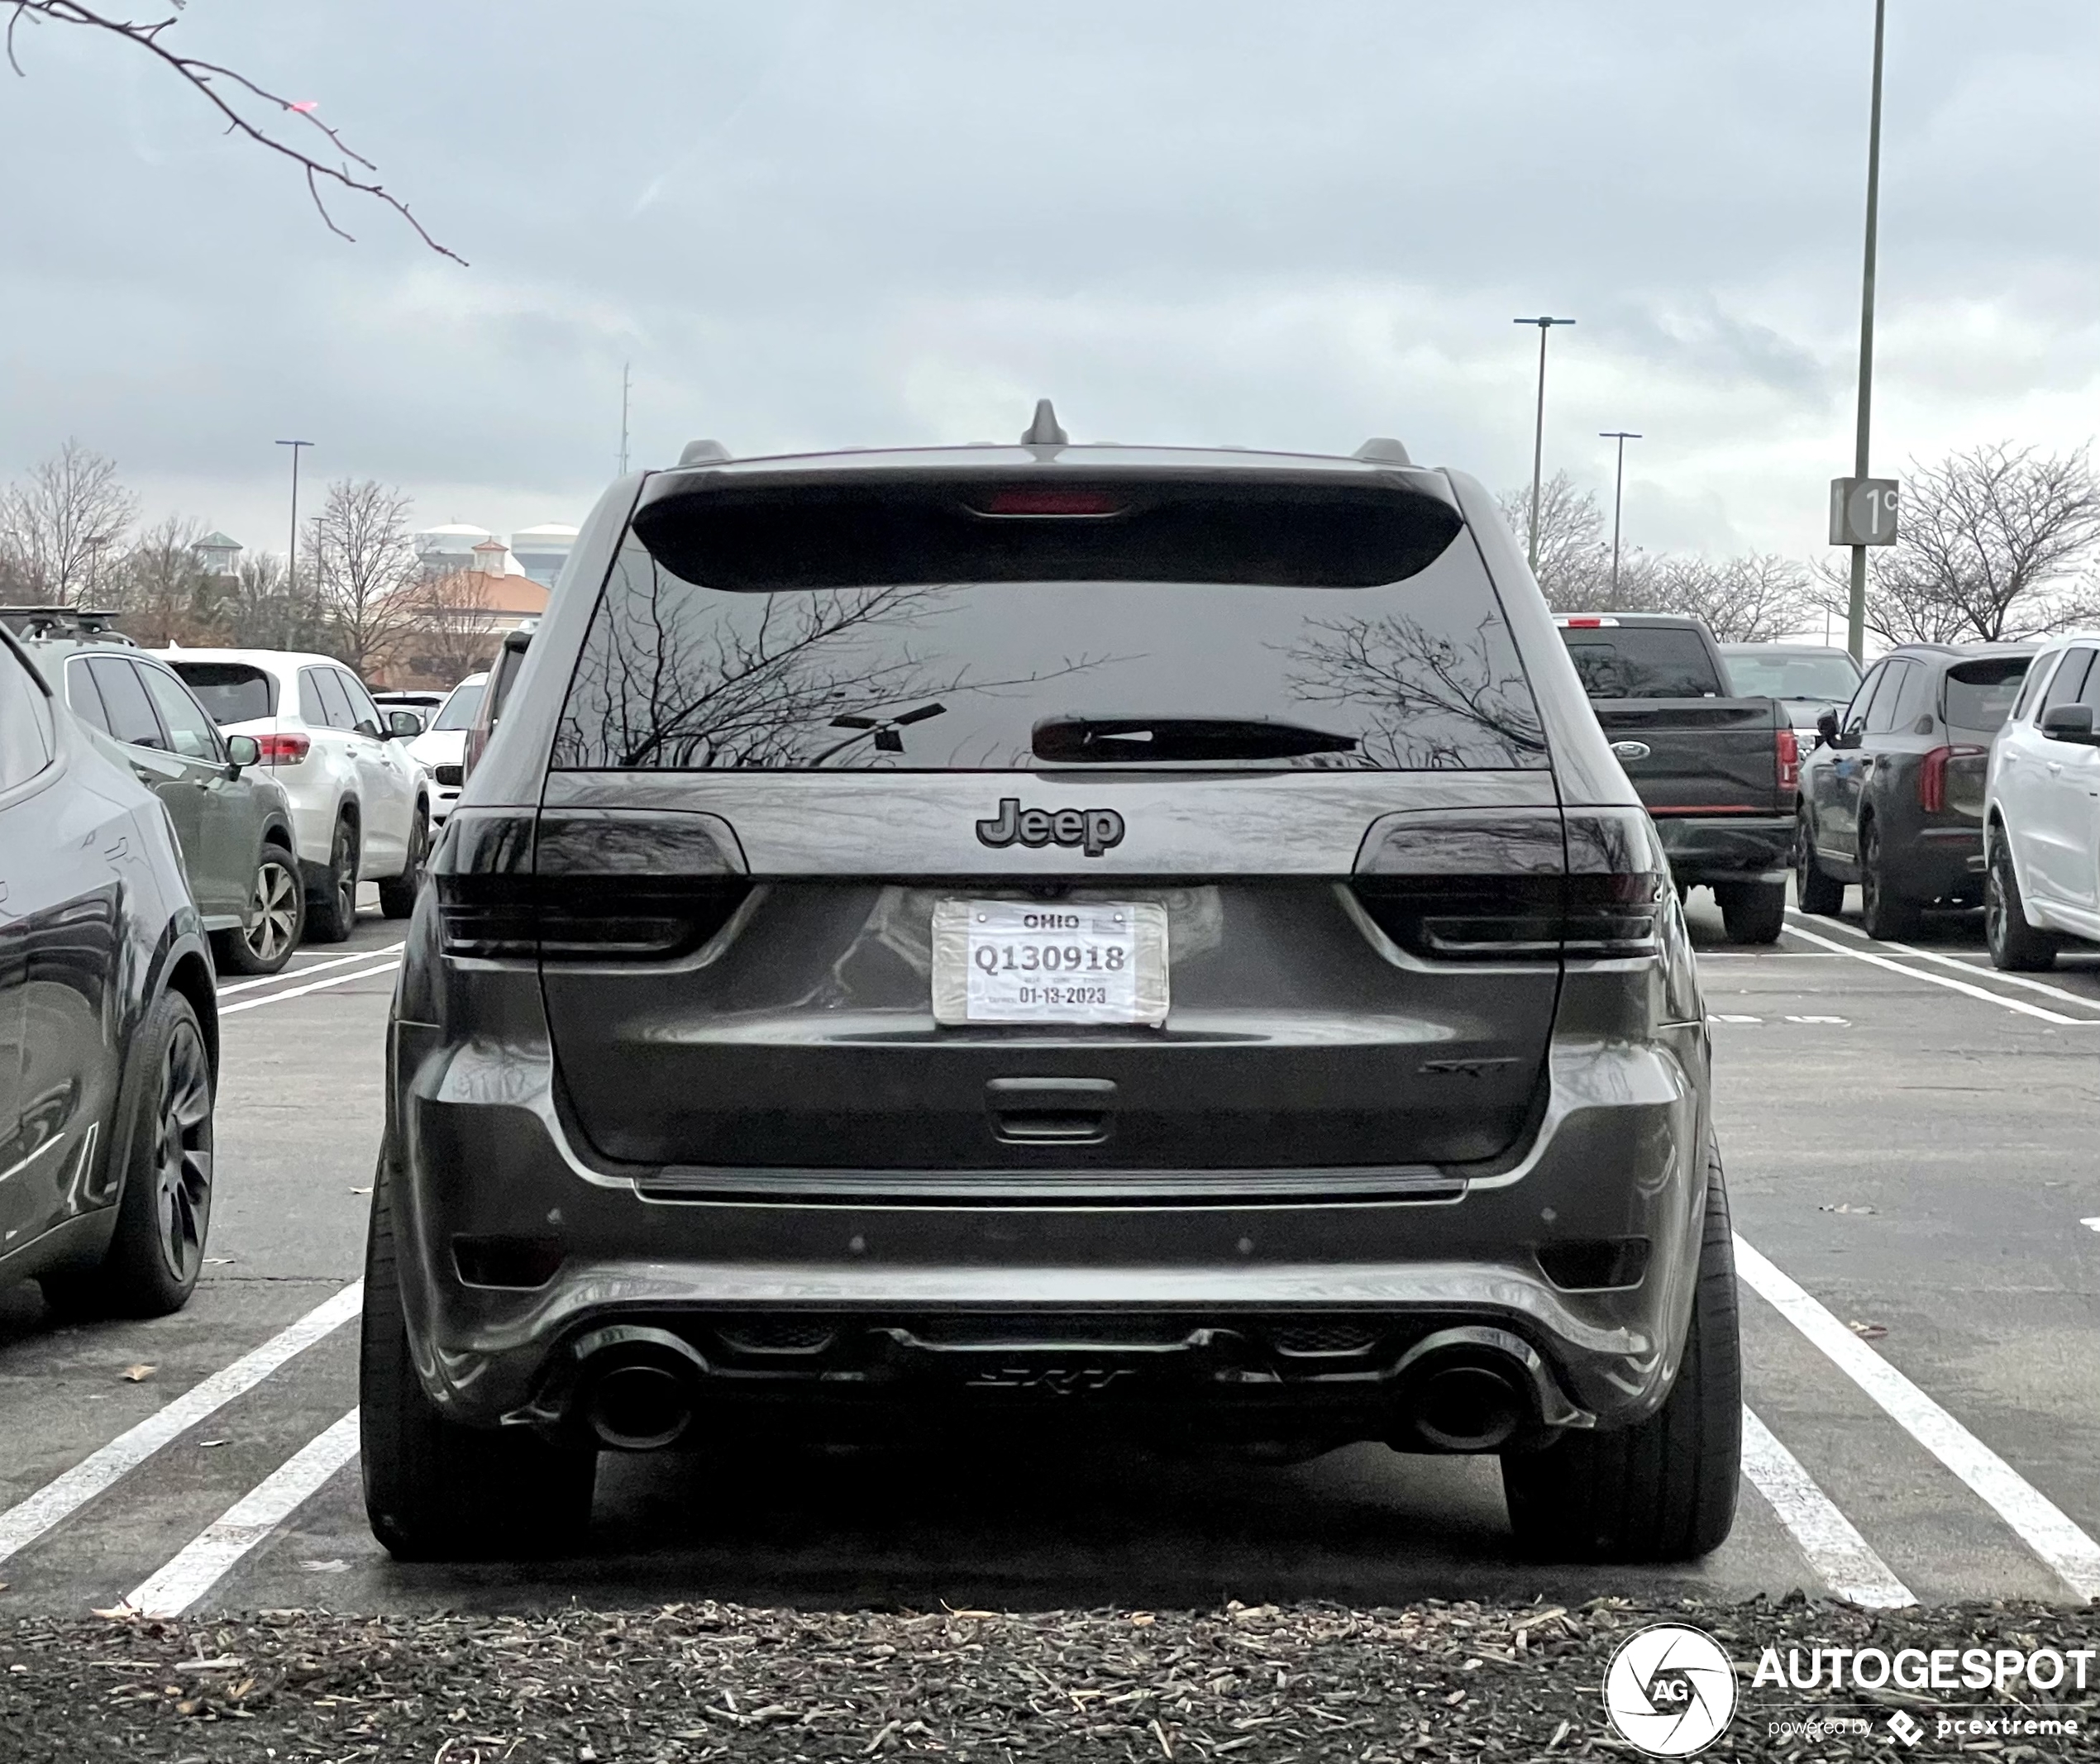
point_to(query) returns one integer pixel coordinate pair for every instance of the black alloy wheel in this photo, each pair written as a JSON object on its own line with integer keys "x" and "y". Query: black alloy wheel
{"x": 2016, "y": 947}
{"x": 397, "y": 894}
{"x": 333, "y": 914}
{"x": 182, "y": 1152}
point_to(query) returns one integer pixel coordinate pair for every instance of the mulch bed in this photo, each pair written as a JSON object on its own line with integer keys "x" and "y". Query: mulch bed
{"x": 688, "y": 1682}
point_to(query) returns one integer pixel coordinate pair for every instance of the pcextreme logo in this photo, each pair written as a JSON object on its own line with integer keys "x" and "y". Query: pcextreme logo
{"x": 1669, "y": 1690}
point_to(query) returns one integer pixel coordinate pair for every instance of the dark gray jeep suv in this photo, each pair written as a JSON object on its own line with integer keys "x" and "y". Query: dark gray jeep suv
{"x": 1117, "y": 939}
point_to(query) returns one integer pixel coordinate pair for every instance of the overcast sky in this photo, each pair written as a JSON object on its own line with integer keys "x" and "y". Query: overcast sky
{"x": 825, "y": 222}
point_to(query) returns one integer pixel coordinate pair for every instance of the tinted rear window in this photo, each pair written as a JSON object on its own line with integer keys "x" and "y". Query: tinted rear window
{"x": 1782, "y": 674}
{"x": 1419, "y": 674}
{"x": 1637, "y": 661}
{"x": 1979, "y": 694}
{"x": 231, "y": 691}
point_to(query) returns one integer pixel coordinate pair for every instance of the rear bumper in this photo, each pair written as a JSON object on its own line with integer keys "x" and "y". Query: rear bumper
{"x": 1728, "y": 848}
{"x": 1172, "y": 1315}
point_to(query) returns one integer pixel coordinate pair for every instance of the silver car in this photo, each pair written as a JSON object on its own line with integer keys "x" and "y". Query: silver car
{"x": 1130, "y": 940}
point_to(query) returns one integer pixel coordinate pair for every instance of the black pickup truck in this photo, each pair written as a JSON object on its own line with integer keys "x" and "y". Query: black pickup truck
{"x": 1720, "y": 774}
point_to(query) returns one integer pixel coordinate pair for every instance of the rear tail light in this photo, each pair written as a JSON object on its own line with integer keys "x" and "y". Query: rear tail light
{"x": 1932, "y": 775}
{"x": 285, "y": 750}
{"x": 1503, "y": 886}
{"x": 590, "y": 886}
{"x": 1786, "y": 749}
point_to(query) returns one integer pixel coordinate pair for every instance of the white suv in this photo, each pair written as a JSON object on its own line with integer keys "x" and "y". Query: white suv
{"x": 441, "y": 747}
{"x": 360, "y": 804}
{"x": 2041, "y": 815}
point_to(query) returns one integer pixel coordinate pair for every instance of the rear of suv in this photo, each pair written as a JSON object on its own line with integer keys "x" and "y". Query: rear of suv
{"x": 361, "y": 803}
{"x": 1141, "y": 941}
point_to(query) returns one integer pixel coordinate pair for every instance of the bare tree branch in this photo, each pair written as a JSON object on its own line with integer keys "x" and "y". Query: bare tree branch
{"x": 350, "y": 170}
{"x": 363, "y": 566}
{"x": 59, "y": 525}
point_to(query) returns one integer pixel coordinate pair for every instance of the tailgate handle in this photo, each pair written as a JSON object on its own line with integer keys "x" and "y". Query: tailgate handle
{"x": 1066, "y": 1111}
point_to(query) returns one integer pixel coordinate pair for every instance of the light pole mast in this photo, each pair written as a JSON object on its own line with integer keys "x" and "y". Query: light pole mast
{"x": 1856, "y": 622}
{"x": 291, "y": 553}
{"x": 1618, "y": 497}
{"x": 625, "y": 383}
{"x": 1538, "y": 433}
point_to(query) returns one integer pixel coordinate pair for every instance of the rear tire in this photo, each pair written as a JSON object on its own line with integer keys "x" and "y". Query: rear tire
{"x": 275, "y": 920}
{"x": 397, "y": 894}
{"x": 1663, "y": 1490}
{"x": 1884, "y": 914}
{"x": 1820, "y": 894}
{"x": 163, "y": 1215}
{"x": 331, "y": 914}
{"x": 2016, "y": 947}
{"x": 434, "y": 1491}
{"x": 1753, "y": 911}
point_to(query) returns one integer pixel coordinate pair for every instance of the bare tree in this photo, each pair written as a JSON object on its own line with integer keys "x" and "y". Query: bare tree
{"x": 62, "y": 520}
{"x": 453, "y": 625}
{"x": 262, "y": 609}
{"x": 1990, "y": 549}
{"x": 162, "y": 589}
{"x": 1755, "y": 598}
{"x": 364, "y": 563}
{"x": 1574, "y": 555}
{"x": 238, "y": 100}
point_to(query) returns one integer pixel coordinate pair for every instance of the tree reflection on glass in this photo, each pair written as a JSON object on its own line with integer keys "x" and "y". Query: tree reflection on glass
{"x": 1429, "y": 701}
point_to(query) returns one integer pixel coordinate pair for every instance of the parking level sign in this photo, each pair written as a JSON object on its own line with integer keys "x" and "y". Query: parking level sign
{"x": 1863, "y": 510}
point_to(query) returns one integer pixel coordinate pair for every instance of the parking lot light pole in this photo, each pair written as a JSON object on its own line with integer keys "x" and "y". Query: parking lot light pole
{"x": 1618, "y": 497}
{"x": 1855, "y": 621}
{"x": 292, "y": 556}
{"x": 1539, "y": 432}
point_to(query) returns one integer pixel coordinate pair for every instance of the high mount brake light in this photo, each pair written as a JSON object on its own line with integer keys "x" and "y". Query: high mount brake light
{"x": 1504, "y": 885}
{"x": 1932, "y": 775}
{"x": 1586, "y": 622}
{"x": 283, "y": 749}
{"x": 1040, "y": 502}
{"x": 1787, "y": 750}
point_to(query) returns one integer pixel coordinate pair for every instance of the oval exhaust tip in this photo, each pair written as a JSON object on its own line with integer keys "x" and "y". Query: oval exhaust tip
{"x": 1468, "y": 1408}
{"x": 640, "y": 1408}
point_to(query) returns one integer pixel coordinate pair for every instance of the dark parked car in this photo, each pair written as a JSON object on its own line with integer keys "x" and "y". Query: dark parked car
{"x": 1074, "y": 939}
{"x": 231, "y": 817}
{"x": 108, "y": 1030}
{"x": 1717, "y": 771}
{"x": 1807, "y": 677}
{"x": 1892, "y": 796}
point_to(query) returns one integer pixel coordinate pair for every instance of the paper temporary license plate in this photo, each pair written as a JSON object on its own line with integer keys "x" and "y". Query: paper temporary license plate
{"x": 1051, "y": 962}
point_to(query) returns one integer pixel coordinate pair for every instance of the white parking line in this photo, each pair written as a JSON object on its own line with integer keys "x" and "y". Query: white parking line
{"x": 2082, "y": 1000}
{"x": 1832, "y": 1544}
{"x": 60, "y": 1499}
{"x": 2047, "y": 1530}
{"x": 311, "y": 967}
{"x": 1988, "y": 997}
{"x": 2091, "y": 1225}
{"x": 300, "y": 991}
{"x": 199, "y": 1565}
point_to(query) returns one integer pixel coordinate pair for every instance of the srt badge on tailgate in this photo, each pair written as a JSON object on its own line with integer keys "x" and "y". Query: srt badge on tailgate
{"x": 1094, "y": 829}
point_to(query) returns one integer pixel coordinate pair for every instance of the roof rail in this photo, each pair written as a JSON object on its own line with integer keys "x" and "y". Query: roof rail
{"x": 62, "y": 621}
{"x": 1383, "y": 449}
{"x": 704, "y": 453}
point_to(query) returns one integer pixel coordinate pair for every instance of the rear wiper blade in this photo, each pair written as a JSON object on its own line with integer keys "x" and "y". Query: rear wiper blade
{"x": 1138, "y": 741}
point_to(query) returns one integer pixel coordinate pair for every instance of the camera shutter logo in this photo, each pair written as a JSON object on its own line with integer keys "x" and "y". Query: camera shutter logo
{"x": 1670, "y": 1690}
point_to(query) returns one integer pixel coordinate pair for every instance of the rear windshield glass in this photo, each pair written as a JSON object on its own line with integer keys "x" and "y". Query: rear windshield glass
{"x": 231, "y": 691}
{"x": 1637, "y": 661}
{"x": 459, "y": 710}
{"x": 1779, "y": 674}
{"x": 1980, "y": 693}
{"x": 1417, "y": 675}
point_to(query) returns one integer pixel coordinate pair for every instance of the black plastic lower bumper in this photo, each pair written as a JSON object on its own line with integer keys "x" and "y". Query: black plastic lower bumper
{"x": 1728, "y": 848}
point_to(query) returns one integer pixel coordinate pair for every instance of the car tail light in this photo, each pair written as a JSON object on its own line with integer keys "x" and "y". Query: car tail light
{"x": 586, "y": 885}
{"x": 1786, "y": 749}
{"x": 285, "y": 750}
{"x": 1502, "y": 886}
{"x": 1932, "y": 775}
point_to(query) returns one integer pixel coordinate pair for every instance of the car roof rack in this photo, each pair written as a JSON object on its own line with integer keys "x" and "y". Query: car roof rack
{"x": 79, "y": 623}
{"x": 704, "y": 453}
{"x": 1383, "y": 449}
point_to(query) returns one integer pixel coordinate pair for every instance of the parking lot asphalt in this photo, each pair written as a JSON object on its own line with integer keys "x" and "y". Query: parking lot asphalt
{"x": 1910, "y": 1152}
